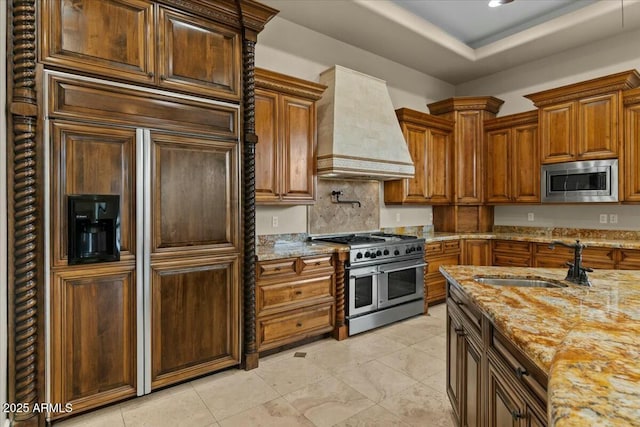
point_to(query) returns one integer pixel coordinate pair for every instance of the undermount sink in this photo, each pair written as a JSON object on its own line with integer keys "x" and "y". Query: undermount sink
{"x": 524, "y": 282}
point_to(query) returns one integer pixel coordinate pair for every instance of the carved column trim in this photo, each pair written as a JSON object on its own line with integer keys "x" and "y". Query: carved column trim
{"x": 340, "y": 332}
{"x": 25, "y": 223}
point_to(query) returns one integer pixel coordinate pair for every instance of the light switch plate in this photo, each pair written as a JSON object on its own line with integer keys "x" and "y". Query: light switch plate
{"x": 603, "y": 218}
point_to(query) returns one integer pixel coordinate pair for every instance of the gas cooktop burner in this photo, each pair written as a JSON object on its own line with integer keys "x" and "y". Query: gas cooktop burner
{"x": 351, "y": 239}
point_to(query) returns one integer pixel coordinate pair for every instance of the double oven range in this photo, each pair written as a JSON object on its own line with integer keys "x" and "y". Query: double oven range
{"x": 385, "y": 278}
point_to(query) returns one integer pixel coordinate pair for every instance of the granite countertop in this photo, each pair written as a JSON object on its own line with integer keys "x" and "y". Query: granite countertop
{"x": 296, "y": 249}
{"x": 587, "y": 240}
{"x": 584, "y": 338}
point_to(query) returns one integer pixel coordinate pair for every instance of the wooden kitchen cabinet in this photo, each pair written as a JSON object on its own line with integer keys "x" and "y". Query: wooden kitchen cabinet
{"x": 143, "y": 42}
{"x": 295, "y": 299}
{"x": 287, "y": 137}
{"x": 593, "y": 257}
{"x": 430, "y": 142}
{"x": 513, "y": 162}
{"x": 436, "y": 254}
{"x": 476, "y": 252}
{"x": 581, "y": 121}
{"x": 511, "y": 253}
{"x": 628, "y": 259}
{"x": 630, "y": 173}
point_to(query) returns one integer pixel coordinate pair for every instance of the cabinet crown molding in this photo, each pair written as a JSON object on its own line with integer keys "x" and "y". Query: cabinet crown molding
{"x": 283, "y": 83}
{"x": 614, "y": 82}
{"x": 632, "y": 96}
{"x": 487, "y": 103}
{"x": 425, "y": 119}
{"x": 511, "y": 120}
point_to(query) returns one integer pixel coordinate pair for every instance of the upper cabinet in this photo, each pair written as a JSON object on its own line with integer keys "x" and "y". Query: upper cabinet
{"x": 630, "y": 176}
{"x": 143, "y": 42}
{"x": 581, "y": 121}
{"x": 513, "y": 160}
{"x": 286, "y": 126}
{"x": 430, "y": 142}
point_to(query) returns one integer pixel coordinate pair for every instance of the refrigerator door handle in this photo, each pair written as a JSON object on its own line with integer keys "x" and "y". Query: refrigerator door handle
{"x": 140, "y": 322}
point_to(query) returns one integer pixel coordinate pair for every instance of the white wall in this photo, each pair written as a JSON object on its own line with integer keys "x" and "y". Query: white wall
{"x": 613, "y": 55}
{"x": 3, "y": 215}
{"x": 291, "y": 49}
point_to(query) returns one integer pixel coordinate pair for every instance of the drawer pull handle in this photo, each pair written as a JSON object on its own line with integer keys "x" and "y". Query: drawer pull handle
{"x": 318, "y": 263}
{"x": 150, "y": 75}
{"x": 520, "y": 372}
{"x": 299, "y": 324}
{"x": 298, "y": 292}
{"x": 277, "y": 269}
{"x": 516, "y": 415}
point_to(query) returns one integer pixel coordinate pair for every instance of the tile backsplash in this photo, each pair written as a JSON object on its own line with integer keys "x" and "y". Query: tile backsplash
{"x": 328, "y": 217}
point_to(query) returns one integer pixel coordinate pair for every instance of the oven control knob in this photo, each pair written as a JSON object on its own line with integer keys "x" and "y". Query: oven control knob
{"x": 359, "y": 255}
{"x": 379, "y": 252}
{"x": 419, "y": 248}
{"x": 408, "y": 251}
{"x": 386, "y": 252}
{"x": 367, "y": 254}
{"x": 396, "y": 252}
{"x": 373, "y": 255}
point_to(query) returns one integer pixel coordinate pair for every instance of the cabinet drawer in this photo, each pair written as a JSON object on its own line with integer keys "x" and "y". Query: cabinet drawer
{"x": 292, "y": 326}
{"x": 281, "y": 295}
{"x": 277, "y": 267}
{"x": 629, "y": 259}
{"x": 316, "y": 263}
{"x": 525, "y": 371}
{"x": 509, "y": 246}
{"x": 435, "y": 263}
{"x": 433, "y": 248}
{"x": 451, "y": 246}
{"x": 508, "y": 260}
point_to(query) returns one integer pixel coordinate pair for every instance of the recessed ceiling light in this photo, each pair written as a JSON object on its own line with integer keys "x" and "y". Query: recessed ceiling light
{"x": 496, "y": 3}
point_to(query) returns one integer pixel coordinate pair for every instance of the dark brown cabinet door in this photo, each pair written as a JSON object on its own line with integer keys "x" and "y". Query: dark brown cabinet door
{"x": 469, "y": 164}
{"x": 416, "y": 188}
{"x": 198, "y": 56}
{"x": 93, "y": 336}
{"x": 557, "y": 132}
{"x": 525, "y": 164}
{"x": 195, "y": 318}
{"x": 454, "y": 327}
{"x": 504, "y": 405}
{"x": 92, "y": 159}
{"x": 472, "y": 412}
{"x": 298, "y": 149}
{"x": 631, "y": 170}
{"x": 598, "y": 127}
{"x": 439, "y": 166}
{"x": 477, "y": 252}
{"x": 267, "y": 148}
{"x": 113, "y": 38}
{"x": 194, "y": 195}
{"x": 499, "y": 165}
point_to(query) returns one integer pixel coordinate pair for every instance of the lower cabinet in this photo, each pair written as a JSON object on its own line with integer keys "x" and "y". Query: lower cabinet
{"x": 511, "y": 253}
{"x": 489, "y": 381}
{"x": 476, "y": 252}
{"x": 295, "y": 299}
{"x": 436, "y": 254}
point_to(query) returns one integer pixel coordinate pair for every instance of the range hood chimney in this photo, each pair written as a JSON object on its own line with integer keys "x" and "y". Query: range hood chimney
{"x": 358, "y": 131}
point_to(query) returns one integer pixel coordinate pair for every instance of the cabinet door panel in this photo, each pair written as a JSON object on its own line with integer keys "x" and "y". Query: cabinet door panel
{"x": 194, "y": 195}
{"x": 93, "y": 336}
{"x": 504, "y": 404}
{"x": 498, "y": 166}
{"x": 298, "y": 149}
{"x": 416, "y": 137}
{"x": 267, "y": 165}
{"x": 90, "y": 159}
{"x": 477, "y": 252}
{"x": 525, "y": 163}
{"x": 453, "y": 362}
{"x": 631, "y": 174}
{"x": 598, "y": 127}
{"x": 439, "y": 165}
{"x": 469, "y": 157}
{"x": 557, "y": 132}
{"x": 194, "y": 319}
{"x": 473, "y": 387}
{"x": 108, "y": 37}
{"x": 198, "y": 56}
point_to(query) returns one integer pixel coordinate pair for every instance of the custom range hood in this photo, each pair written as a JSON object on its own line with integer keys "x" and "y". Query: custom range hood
{"x": 358, "y": 131}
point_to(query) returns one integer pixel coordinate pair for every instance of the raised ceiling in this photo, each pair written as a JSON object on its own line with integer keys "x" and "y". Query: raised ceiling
{"x": 461, "y": 40}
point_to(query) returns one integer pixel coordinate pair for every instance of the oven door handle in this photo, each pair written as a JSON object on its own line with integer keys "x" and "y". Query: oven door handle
{"x": 408, "y": 267}
{"x": 376, "y": 273}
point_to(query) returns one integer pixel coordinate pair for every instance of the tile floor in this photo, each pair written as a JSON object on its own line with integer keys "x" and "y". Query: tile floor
{"x": 392, "y": 376}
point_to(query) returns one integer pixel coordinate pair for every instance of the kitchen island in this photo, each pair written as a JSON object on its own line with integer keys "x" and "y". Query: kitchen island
{"x": 585, "y": 339}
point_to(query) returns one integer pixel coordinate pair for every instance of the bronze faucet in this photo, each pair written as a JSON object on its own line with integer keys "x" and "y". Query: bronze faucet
{"x": 577, "y": 273}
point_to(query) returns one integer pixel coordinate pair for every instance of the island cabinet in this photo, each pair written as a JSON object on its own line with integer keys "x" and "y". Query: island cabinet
{"x": 582, "y": 121}
{"x": 630, "y": 175}
{"x": 511, "y": 253}
{"x": 490, "y": 382}
{"x": 436, "y": 254}
{"x": 295, "y": 299}
{"x": 286, "y": 127}
{"x": 513, "y": 161}
{"x": 430, "y": 142}
{"x": 145, "y": 42}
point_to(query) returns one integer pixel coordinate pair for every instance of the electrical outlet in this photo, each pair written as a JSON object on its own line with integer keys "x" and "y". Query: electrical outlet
{"x": 603, "y": 218}
{"x": 613, "y": 218}
{"x": 430, "y": 217}
{"x": 397, "y": 217}
{"x": 531, "y": 216}
{"x": 274, "y": 221}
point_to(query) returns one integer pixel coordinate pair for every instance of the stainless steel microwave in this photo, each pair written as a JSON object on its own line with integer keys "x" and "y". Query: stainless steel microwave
{"x": 575, "y": 182}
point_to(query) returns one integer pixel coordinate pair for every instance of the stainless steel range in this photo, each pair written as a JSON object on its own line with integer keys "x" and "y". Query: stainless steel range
{"x": 386, "y": 278}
